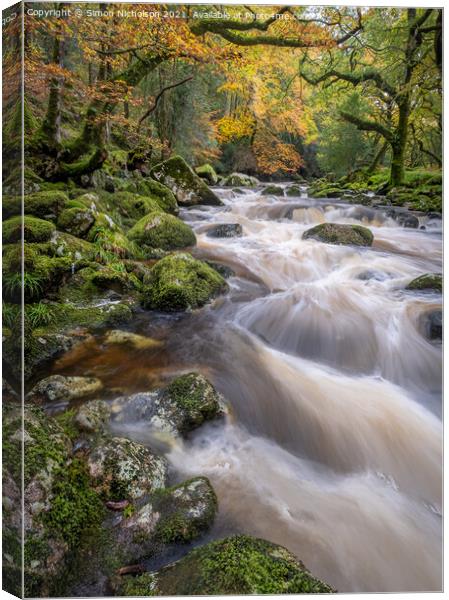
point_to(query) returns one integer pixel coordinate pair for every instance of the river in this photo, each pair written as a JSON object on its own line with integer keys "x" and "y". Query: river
{"x": 333, "y": 442}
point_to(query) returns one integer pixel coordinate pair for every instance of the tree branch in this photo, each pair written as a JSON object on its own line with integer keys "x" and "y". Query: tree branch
{"x": 368, "y": 125}
{"x": 159, "y": 96}
{"x": 368, "y": 74}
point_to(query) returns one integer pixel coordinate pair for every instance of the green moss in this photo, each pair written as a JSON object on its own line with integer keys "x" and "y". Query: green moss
{"x": 235, "y": 565}
{"x": 156, "y": 191}
{"x": 131, "y": 206}
{"x": 159, "y": 230}
{"x": 208, "y": 173}
{"x": 34, "y": 229}
{"x": 184, "y": 518}
{"x": 143, "y": 585}
{"x": 333, "y": 233}
{"x": 180, "y": 282}
{"x": 76, "y": 220}
{"x": 45, "y": 203}
{"x": 327, "y": 192}
{"x": 429, "y": 281}
{"x": 75, "y": 506}
{"x": 66, "y": 421}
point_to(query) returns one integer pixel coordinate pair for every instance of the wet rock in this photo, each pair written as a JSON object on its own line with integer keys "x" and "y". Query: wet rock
{"x": 188, "y": 188}
{"x": 92, "y": 416}
{"x": 224, "y": 270}
{"x": 428, "y": 281}
{"x": 180, "y": 282}
{"x": 333, "y": 233}
{"x": 431, "y": 325}
{"x": 208, "y": 173}
{"x": 57, "y": 388}
{"x": 133, "y": 340}
{"x": 225, "y": 230}
{"x": 9, "y": 395}
{"x": 238, "y": 191}
{"x": 121, "y": 469}
{"x": 273, "y": 190}
{"x": 175, "y": 515}
{"x": 408, "y": 221}
{"x": 185, "y": 404}
{"x": 235, "y": 565}
{"x": 162, "y": 231}
{"x": 240, "y": 180}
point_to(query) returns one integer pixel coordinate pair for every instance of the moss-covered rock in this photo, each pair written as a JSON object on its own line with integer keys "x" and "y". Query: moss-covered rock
{"x": 65, "y": 244}
{"x": 155, "y": 190}
{"x": 327, "y": 192}
{"x": 160, "y": 230}
{"x": 185, "y": 404}
{"x": 273, "y": 190}
{"x": 34, "y": 229}
{"x": 59, "y": 505}
{"x": 92, "y": 416}
{"x": 235, "y": 565}
{"x": 293, "y": 190}
{"x": 130, "y": 340}
{"x": 428, "y": 281}
{"x": 131, "y": 206}
{"x": 180, "y": 282}
{"x": 333, "y": 233}
{"x": 76, "y": 221}
{"x": 240, "y": 180}
{"x": 188, "y": 188}
{"x": 45, "y": 204}
{"x": 58, "y": 388}
{"x": 208, "y": 173}
{"x": 124, "y": 470}
{"x": 175, "y": 515}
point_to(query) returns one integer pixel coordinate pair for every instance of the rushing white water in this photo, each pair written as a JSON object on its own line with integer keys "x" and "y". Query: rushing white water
{"x": 333, "y": 443}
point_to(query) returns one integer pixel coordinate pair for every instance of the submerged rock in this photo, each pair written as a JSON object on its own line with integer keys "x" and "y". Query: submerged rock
{"x": 428, "y": 281}
{"x": 133, "y": 340}
{"x": 431, "y": 325}
{"x": 234, "y": 565}
{"x": 185, "y": 404}
{"x": 225, "y": 230}
{"x": 121, "y": 469}
{"x": 57, "y": 388}
{"x": 188, "y": 188}
{"x": 333, "y": 233}
{"x": 180, "y": 282}
{"x": 161, "y": 230}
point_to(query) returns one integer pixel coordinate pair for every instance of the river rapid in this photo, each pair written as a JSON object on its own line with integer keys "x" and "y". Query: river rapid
{"x": 333, "y": 442}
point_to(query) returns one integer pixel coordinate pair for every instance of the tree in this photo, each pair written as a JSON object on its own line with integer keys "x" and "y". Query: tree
{"x": 393, "y": 88}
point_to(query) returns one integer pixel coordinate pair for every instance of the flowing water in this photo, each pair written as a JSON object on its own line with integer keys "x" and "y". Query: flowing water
{"x": 333, "y": 442}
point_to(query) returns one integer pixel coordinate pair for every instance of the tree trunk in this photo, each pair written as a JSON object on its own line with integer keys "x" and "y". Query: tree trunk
{"x": 399, "y": 144}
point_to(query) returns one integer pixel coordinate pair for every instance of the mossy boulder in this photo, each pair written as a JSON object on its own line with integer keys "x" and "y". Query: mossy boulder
{"x": 162, "y": 231}
{"x": 185, "y": 404}
{"x": 180, "y": 282}
{"x": 293, "y": 190}
{"x": 34, "y": 229}
{"x": 76, "y": 220}
{"x": 175, "y": 515}
{"x": 333, "y": 233}
{"x": 59, "y": 505}
{"x": 65, "y": 244}
{"x": 45, "y": 204}
{"x": 188, "y": 188}
{"x": 273, "y": 190}
{"x": 58, "y": 388}
{"x": 150, "y": 188}
{"x": 428, "y": 281}
{"x": 240, "y": 180}
{"x": 130, "y": 340}
{"x": 207, "y": 172}
{"x": 327, "y": 192}
{"x": 132, "y": 207}
{"x": 124, "y": 470}
{"x": 235, "y": 565}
